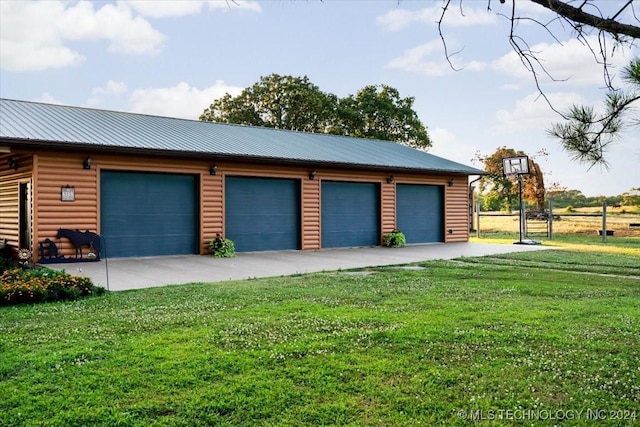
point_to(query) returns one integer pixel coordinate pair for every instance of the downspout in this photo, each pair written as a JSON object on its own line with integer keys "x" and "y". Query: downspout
{"x": 471, "y": 207}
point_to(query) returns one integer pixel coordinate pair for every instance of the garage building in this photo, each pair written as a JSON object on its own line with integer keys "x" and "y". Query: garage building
{"x": 155, "y": 186}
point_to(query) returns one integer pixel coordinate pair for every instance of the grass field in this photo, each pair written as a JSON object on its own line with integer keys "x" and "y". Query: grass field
{"x": 542, "y": 338}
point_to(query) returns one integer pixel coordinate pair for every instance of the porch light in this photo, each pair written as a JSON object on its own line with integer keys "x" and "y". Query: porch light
{"x": 86, "y": 163}
{"x": 13, "y": 163}
{"x": 389, "y": 179}
{"x": 312, "y": 175}
{"x": 213, "y": 170}
{"x": 451, "y": 182}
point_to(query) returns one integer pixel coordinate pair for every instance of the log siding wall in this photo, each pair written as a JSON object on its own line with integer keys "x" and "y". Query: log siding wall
{"x": 50, "y": 171}
{"x": 456, "y": 202}
{"x": 387, "y": 208}
{"x": 310, "y": 213}
{"x": 211, "y": 208}
{"x": 10, "y": 180}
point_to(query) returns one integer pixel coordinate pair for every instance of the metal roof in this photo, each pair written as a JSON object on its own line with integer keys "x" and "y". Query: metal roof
{"x": 57, "y": 125}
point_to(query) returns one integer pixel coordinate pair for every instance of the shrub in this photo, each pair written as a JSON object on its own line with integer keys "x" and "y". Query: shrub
{"x": 7, "y": 264}
{"x": 395, "y": 239}
{"x": 18, "y": 286}
{"x": 222, "y": 248}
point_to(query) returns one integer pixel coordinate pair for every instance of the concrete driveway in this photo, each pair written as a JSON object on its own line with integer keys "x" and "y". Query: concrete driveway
{"x": 121, "y": 274}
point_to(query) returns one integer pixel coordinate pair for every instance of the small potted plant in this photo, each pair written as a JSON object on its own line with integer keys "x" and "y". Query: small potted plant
{"x": 222, "y": 248}
{"x": 395, "y": 239}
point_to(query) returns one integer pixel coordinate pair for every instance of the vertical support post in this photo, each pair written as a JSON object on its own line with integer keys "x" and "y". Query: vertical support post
{"x": 550, "y": 222}
{"x": 525, "y": 223}
{"x": 520, "y": 205}
{"x": 478, "y": 219}
{"x": 604, "y": 222}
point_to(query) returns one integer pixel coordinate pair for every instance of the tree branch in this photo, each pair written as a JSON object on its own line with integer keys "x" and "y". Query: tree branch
{"x": 608, "y": 25}
{"x": 447, "y": 55}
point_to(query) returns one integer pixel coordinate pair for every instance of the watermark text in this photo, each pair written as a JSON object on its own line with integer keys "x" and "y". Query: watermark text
{"x": 547, "y": 414}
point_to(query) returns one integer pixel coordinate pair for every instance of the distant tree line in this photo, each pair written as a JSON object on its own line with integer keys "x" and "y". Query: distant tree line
{"x": 576, "y": 199}
{"x": 564, "y": 199}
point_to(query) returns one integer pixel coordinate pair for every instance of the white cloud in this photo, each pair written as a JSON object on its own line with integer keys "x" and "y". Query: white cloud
{"x": 29, "y": 39}
{"x": 441, "y": 136}
{"x": 163, "y": 8}
{"x": 181, "y": 100}
{"x": 533, "y": 112}
{"x": 34, "y": 35}
{"x": 447, "y": 144}
{"x": 116, "y": 23}
{"x": 253, "y": 6}
{"x": 428, "y": 59}
{"x": 110, "y": 90}
{"x": 571, "y": 61}
{"x": 47, "y": 98}
{"x": 400, "y": 19}
{"x": 116, "y": 88}
{"x": 510, "y": 86}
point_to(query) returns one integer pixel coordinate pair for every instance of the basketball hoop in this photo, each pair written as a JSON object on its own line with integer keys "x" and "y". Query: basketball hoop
{"x": 513, "y": 166}
{"x": 516, "y": 167}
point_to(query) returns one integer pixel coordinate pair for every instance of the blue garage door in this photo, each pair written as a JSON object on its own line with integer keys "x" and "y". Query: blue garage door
{"x": 262, "y": 214}
{"x": 350, "y": 214}
{"x": 148, "y": 214}
{"x": 420, "y": 212}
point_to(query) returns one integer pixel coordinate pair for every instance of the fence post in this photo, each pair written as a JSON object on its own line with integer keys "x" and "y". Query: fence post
{"x": 525, "y": 223}
{"x": 550, "y": 223}
{"x": 604, "y": 222}
{"x": 478, "y": 219}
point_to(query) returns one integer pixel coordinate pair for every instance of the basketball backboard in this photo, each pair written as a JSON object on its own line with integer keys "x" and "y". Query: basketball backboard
{"x": 515, "y": 165}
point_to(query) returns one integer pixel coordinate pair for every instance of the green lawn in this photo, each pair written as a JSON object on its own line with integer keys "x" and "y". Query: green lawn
{"x": 575, "y": 242}
{"x": 528, "y": 338}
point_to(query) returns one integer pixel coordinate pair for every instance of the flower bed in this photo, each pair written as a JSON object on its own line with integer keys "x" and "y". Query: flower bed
{"x": 18, "y": 286}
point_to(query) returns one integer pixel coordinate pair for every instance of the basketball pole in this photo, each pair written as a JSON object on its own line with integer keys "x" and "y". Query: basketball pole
{"x": 518, "y": 166}
{"x": 520, "y": 205}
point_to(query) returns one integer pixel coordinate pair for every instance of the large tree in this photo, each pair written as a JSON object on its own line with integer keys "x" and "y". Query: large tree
{"x": 533, "y": 186}
{"x": 294, "y": 103}
{"x": 281, "y": 102}
{"x": 380, "y": 112}
{"x": 495, "y": 185}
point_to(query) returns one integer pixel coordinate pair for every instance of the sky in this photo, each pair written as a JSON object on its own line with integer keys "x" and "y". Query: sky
{"x": 173, "y": 58}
